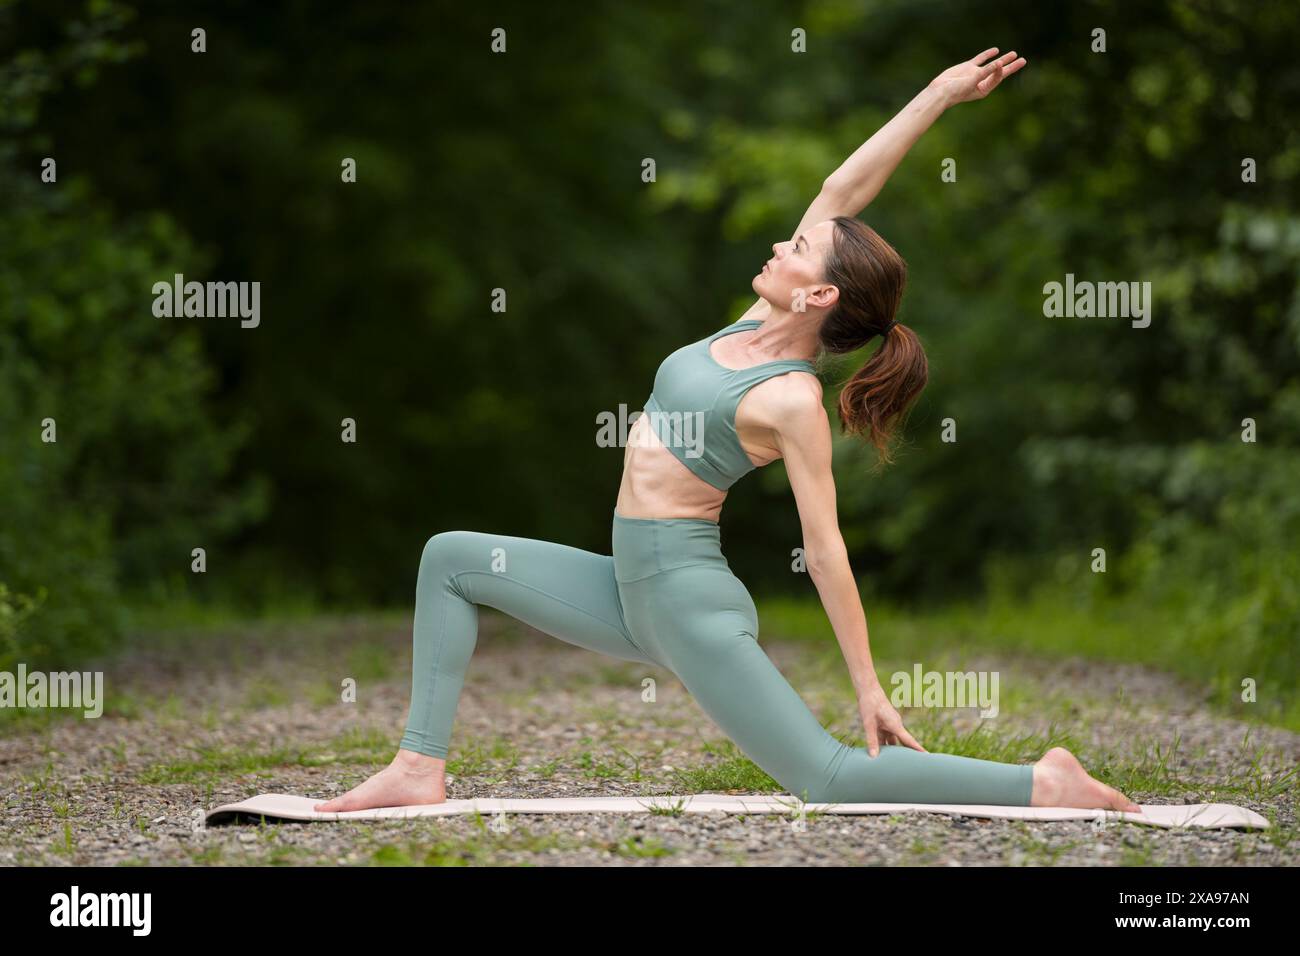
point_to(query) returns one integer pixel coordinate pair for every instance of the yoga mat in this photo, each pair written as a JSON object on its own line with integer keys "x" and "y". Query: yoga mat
{"x": 287, "y": 806}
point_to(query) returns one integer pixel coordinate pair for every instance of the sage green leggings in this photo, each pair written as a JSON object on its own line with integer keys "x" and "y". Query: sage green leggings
{"x": 667, "y": 598}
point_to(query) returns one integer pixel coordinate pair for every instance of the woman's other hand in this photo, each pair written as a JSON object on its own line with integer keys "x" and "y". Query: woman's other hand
{"x": 977, "y": 77}
{"x": 881, "y": 722}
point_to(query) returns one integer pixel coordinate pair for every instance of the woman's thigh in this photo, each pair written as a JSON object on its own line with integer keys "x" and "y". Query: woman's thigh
{"x": 560, "y": 590}
{"x": 702, "y": 624}
{"x": 565, "y": 592}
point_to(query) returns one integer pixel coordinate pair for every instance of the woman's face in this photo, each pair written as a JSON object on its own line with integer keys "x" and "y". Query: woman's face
{"x": 792, "y": 279}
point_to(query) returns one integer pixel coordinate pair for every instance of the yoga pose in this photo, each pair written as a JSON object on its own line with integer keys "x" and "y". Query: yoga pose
{"x": 720, "y": 407}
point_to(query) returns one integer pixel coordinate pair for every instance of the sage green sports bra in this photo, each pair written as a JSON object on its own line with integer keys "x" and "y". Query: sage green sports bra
{"x": 693, "y": 406}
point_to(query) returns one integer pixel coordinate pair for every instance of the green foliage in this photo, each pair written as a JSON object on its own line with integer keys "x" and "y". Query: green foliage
{"x": 522, "y": 172}
{"x": 110, "y": 461}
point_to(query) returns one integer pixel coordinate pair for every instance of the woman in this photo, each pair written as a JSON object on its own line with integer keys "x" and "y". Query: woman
{"x": 739, "y": 399}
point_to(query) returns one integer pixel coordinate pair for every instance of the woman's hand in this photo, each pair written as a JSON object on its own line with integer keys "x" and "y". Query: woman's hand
{"x": 976, "y": 78}
{"x": 881, "y": 722}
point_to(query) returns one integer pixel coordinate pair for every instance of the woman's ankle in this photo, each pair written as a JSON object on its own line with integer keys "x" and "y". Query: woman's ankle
{"x": 415, "y": 762}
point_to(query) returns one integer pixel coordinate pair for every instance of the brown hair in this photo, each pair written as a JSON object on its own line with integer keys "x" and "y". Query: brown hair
{"x": 870, "y": 276}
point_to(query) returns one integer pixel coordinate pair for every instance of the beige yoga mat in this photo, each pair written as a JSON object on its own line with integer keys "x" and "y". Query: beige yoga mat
{"x": 287, "y": 806}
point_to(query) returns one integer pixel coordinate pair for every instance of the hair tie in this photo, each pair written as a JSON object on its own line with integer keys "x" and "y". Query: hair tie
{"x": 884, "y": 335}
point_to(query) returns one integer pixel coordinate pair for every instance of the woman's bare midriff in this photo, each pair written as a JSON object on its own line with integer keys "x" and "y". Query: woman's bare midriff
{"x": 656, "y": 485}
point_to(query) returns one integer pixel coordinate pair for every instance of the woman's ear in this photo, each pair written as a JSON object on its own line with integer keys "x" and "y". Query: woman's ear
{"x": 824, "y": 296}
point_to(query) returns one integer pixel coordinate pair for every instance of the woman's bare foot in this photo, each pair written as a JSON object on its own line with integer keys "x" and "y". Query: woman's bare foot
{"x": 1061, "y": 781}
{"x": 411, "y": 779}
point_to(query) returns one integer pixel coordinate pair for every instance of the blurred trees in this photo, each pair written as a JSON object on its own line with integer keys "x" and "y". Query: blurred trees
{"x": 522, "y": 172}
{"x": 112, "y": 462}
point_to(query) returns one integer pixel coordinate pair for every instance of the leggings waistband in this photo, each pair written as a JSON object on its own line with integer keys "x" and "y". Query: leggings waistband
{"x": 647, "y": 546}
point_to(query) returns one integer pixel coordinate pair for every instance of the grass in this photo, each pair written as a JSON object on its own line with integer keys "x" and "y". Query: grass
{"x": 475, "y": 756}
{"x": 485, "y": 842}
{"x": 1030, "y": 850}
{"x": 940, "y": 640}
{"x": 731, "y": 770}
{"x": 1053, "y": 628}
{"x": 210, "y": 765}
{"x": 182, "y": 617}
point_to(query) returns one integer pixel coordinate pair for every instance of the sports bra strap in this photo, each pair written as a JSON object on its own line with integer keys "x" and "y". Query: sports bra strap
{"x": 758, "y": 373}
{"x": 775, "y": 367}
{"x": 693, "y": 405}
{"x": 738, "y": 326}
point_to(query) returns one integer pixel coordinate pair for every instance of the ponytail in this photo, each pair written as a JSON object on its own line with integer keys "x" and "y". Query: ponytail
{"x": 870, "y": 276}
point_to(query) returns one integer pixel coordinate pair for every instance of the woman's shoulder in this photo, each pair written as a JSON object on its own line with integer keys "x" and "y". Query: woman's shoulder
{"x": 789, "y": 401}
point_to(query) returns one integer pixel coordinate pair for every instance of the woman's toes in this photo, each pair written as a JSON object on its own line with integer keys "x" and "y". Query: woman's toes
{"x": 339, "y": 804}
{"x": 1120, "y": 802}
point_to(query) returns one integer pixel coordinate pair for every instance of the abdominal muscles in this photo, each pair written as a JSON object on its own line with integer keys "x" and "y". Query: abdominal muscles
{"x": 657, "y": 485}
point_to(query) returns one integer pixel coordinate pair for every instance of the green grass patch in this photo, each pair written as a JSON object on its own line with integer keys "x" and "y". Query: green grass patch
{"x": 1056, "y": 627}
{"x": 208, "y": 765}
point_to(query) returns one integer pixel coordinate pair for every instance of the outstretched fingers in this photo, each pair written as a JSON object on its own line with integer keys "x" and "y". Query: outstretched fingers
{"x": 1011, "y": 63}
{"x": 998, "y": 70}
{"x": 989, "y": 77}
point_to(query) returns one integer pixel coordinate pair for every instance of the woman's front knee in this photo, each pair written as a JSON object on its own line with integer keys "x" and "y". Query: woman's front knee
{"x": 450, "y": 551}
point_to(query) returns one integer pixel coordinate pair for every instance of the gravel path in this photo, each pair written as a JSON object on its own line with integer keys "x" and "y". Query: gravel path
{"x": 214, "y": 720}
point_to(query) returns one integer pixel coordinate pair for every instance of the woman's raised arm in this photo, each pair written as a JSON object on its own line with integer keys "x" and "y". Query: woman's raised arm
{"x": 850, "y": 189}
